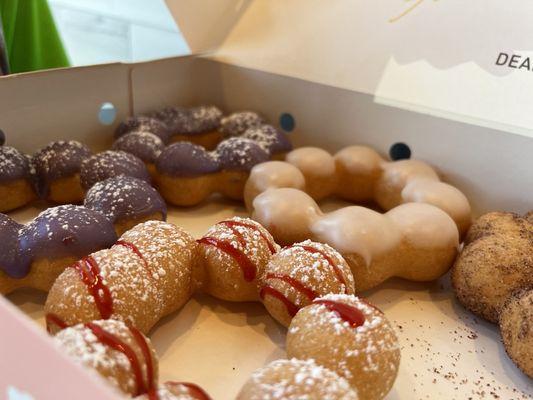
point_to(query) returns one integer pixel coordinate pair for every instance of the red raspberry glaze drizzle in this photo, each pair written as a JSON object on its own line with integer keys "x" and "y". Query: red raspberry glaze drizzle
{"x": 194, "y": 390}
{"x": 53, "y": 319}
{"x": 136, "y": 250}
{"x": 346, "y": 312}
{"x": 90, "y": 276}
{"x": 232, "y": 223}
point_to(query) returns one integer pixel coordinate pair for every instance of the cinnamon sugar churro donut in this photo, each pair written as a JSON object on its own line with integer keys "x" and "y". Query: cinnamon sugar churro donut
{"x": 143, "y": 277}
{"x": 232, "y": 256}
{"x": 298, "y": 274}
{"x": 415, "y": 241}
{"x": 359, "y": 174}
{"x": 296, "y": 379}
{"x": 351, "y": 337}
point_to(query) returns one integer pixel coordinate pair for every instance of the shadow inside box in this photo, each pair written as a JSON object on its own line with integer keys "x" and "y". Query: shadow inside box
{"x": 238, "y": 314}
{"x": 29, "y": 301}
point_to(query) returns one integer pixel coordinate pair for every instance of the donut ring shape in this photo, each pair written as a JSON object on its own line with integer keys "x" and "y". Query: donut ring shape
{"x": 359, "y": 174}
{"x": 155, "y": 267}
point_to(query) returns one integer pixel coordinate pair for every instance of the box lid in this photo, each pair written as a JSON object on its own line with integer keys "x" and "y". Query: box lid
{"x": 465, "y": 61}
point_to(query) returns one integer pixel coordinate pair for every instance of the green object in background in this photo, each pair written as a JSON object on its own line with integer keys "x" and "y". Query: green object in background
{"x": 31, "y": 37}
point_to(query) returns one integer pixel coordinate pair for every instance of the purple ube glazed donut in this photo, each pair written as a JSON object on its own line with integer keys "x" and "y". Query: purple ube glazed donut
{"x": 190, "y": 121}
{"x": 57, "y": 168}
{"x": 109, "y": 164}
{"x": 13, "y": 261}
{"x": 126, "y": 201}
{"x": 237, "y": 123}
{"x": 240, "y": 154}
{"x": 142, "y": 144}
{"x": 16, "y": 185}
{"x": 269, "y": 138}
{"x": 154, "y": 125}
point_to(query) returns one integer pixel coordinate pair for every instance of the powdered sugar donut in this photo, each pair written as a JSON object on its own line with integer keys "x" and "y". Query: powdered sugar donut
{"x": 144, "y": 123}
{"x": 298, "y": 274}
{"x": 126, "y": 201}
{"x": 144, "y": 276}
{"x": 270, "y": 139}
{"x": 232, "y": 256}
{"x": 57, "y": 168}
{"x": 351, "y": 337}
{"x": 177, "y": 391}
{"x": 239, "y": 122}
{"x": 109, "y": 164}
{"x": 294, "y": 380}
{"x": 13, "y": 262}
{"x": 120, "y": 354}
{"x": 16, "y": 188}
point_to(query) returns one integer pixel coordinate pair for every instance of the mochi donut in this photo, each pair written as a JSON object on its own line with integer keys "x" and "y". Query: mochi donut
{"x": 237, "y": 123}
{"x": 198, "y": 125}
{"x": 497, "y": 260}
{"x": 57, "y": 168}
{"x": 187, "y": 173}
{"x": 109, "y": 164}
{"x": 359, "y": 174}
{"x": 146, "y": 275}
{"x": 294, "y": 380}
{"x": 275, "y": 143}
{"x": 142, "y": 144}
{"x": 38, "y": 252}
{"x": 143, "y": 123}
{"x": 351, "y": 337}
{"x": 298, "y": 274}
{"x": 16, "y": 189}
{"x": 177, "y": 391}
{"x": 126, "y": 202}
{"x": 231, "y": 258}
{"x": 415, "y": 241}
{"x": 119, "y": 353}
{"x": 516, "y": 326}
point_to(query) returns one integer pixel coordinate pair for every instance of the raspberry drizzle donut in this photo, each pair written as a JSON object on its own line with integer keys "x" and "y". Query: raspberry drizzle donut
{"x": 294, "y": 380}
{"x": 126, "y": 202}
{"x": 298, "y": 274}
{"x": 109, "y": 164}
{"x": 57, "y": 168}
{"x": 232, "y": 256}
{"x": 351, "y": 337}
{"x": 177, "y": 391}
{"x": 16, "y": 186}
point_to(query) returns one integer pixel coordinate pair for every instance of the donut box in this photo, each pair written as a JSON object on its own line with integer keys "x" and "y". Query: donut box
{"x": 446, "y": 352}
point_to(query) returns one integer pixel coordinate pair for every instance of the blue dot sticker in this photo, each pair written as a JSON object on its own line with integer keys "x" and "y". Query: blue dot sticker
{"x": 107, "y": 113}
{"x": 399, "y": 151}
{"x": 287, "y": 122}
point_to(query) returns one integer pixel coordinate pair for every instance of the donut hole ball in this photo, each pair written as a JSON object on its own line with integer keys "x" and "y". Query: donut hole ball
{"x": 144, "y": 123}
{"x": 298, "y": 274}
{"x": 237, "y": 123}
{"x": 142, "y": 144}
{"x": 516, "y": 326}
{"x": 16, "y": 185}
{"x": 126, "y": 202}
{"x": 57, "y": 168}
{"x": 277, "y": 144}
{"x": 296, "y": 379}
{"x": 109, "y": 164}
{"x": 232, "y": 256}
{"x": 120, "y": 354}
{"x": 351, "y": 337}
{"x": 237, "y": 156}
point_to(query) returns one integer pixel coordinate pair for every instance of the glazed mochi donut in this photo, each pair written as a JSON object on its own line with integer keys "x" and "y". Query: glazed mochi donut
{"x": 57, "y": 168}
{"x": 496, "y": 261}
{"x": 143, "y": 123}
{"x": 516, "y": 326}
{"x": 294, "y": 380}
{"x": 415, "y": 241}
{"x": 126, "y": 202}
{"x": 350, "y": 337}
{"x": 142, "y": 144}
{"x": 359, "y": 174}
{"x": 123, "y": 356}
{"x": 232, "y": 256}
{"x": 37, "y": 253}
{"x": 146, "y": 275}
{"x": 16, "y": 186}
{"x": 298, "y": 274}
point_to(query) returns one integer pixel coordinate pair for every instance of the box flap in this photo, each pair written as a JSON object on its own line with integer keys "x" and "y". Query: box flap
{"x": 466, "y": 61}
{"x": 206, "y": 23}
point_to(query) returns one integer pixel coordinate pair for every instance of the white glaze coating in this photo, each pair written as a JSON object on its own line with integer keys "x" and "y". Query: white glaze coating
{"x": 359, "y": 160}
{"x": 312, "y": 161}
{"x": 273, "y": 174}
{"x": 398, "y": 173}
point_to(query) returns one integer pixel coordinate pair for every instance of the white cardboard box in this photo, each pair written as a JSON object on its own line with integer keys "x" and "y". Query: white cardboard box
{"x": 341, "y": 69}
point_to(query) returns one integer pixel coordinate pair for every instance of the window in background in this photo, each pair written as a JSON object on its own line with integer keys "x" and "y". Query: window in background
{"x": 102, "y": 31}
